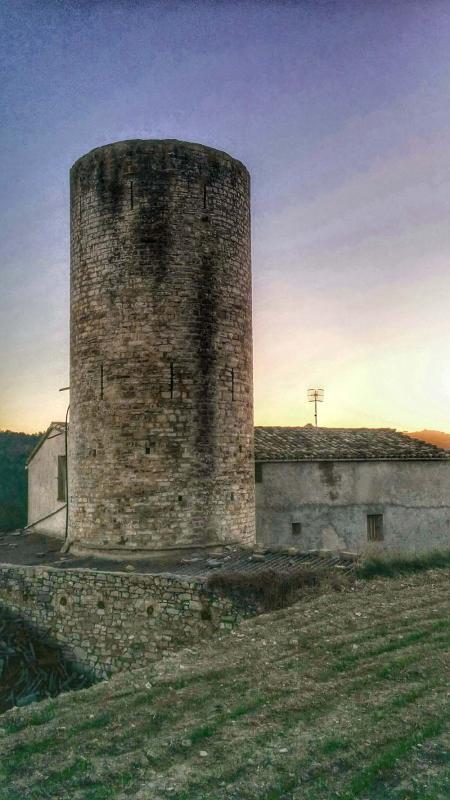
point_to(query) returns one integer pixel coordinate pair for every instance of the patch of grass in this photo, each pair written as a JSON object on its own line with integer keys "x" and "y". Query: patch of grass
{"x": 78, "y": 776}
{"x": 170, "y": 712}
{"x": 94, "y": 724}
{"x": 387, "y": 566}
{"x": 40, "y": 717}
{"x": 435, "y": 787}
{"x": 198, "y": 788}
{"x": 203, "y": 732}
{"x": 98, "y": 791}
{"x": 25, "y": 751}
{"x": 66, "y": 775}
{"x": 397, "y": 644}
{"x": 402, "y": 700}
{"x": 333, "y": 745}
{"x": 161, "y": 688}
{"x": 242, "y": 710}
{"x": 281, "y": 789}
{"x": 154, "y": 724}
{"x": 400, "y": 669}
{"x": 388, "y": 759}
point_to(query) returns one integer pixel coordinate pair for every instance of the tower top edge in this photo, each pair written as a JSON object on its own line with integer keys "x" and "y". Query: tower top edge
{"x": 130, "y": 146}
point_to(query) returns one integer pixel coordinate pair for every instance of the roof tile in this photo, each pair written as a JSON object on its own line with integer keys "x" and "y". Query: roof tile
{"x": 340, "y": 444}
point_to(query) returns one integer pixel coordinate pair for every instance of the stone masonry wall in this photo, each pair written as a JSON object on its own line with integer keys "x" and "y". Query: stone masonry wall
{"x": 108, "y": 622}
{"x": 161, "y": 445}
{"x": 43, "y": 486}
{"x": 325, "y": 504}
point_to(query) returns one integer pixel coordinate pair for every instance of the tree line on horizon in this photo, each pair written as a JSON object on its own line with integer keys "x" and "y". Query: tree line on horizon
{"x": 14, "y": 451}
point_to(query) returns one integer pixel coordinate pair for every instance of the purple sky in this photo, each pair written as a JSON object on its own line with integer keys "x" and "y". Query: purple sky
{"x": 341, "y": 112}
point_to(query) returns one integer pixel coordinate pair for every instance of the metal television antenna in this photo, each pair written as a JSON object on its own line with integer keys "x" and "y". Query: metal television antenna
{"x": 315, "y": 396}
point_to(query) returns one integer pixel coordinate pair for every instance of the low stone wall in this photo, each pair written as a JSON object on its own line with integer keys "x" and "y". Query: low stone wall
{"x": 109, "y": 622}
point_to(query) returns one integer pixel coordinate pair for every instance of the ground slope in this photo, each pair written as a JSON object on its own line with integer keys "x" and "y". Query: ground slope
{"x": 341, "y": 696}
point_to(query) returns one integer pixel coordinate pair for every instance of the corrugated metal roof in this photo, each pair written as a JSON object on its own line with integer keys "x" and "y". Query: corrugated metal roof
{"x": 341, "y": 444}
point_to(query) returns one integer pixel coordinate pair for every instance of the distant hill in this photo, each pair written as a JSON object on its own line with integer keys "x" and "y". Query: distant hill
{"x": 14, "y": 451}
{"x": 439, "y": 438}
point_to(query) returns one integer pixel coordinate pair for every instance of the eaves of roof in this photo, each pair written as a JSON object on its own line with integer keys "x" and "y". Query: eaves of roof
{"x": 59, "y": 425}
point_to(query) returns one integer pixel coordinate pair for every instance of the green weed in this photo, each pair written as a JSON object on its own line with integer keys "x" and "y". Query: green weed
{"x": 333, "y": 745}
{"x": 24, "y": 751}
{"x": 94, "y": 724}
{"x": 389, "y": 758}
{"x": 38, "y": 718}
{"x": 388, "y": 566}
{"x": 397, "y": 644}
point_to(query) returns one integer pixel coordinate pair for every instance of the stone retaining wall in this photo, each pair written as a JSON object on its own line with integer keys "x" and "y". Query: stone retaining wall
{"x": 108, "y": 622}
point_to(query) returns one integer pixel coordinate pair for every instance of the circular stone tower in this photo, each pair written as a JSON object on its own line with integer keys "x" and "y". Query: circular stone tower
{"x": 161, "y": 431}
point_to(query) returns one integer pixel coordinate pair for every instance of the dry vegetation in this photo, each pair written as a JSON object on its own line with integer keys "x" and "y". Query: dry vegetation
{"x": 344, "y": 695}
{"x": 271, "y": 589}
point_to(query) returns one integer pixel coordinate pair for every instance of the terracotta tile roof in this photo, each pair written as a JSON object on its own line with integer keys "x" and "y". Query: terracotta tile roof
{"x": 340, "y": 444}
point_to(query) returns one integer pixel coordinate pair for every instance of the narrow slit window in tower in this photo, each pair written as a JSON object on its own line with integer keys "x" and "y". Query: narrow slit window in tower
{"x": 101, "y": 381}
{"x": 171, "y": 379}
{"x": 232, "y": 385}
{"x": 131, "y": 195}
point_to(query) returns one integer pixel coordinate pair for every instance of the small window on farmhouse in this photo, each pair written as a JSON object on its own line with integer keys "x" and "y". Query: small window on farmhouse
{"x": 296, "y": 528}
{"x": 61, "y": 477}
{"x": 258, "y": 473}
{"x": 375, "y": 528}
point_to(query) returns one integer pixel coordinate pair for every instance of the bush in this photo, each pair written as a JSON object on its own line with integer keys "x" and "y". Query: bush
{"x": 385, "y": 565}
{"x": 14, "y": 451}
{"x": 271, "y": 589}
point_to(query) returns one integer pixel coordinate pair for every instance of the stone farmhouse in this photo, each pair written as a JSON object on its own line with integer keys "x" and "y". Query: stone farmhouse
{"x": 351, "y": 489}
{"x": 47, "y": 494}
{"x": 162, "y": 452}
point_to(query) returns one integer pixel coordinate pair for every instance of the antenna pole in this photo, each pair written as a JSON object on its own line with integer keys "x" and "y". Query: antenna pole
{"x": 315, "y": 396}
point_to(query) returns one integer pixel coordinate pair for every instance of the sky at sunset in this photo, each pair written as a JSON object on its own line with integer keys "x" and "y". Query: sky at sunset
{"x": 341, "y": 112}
